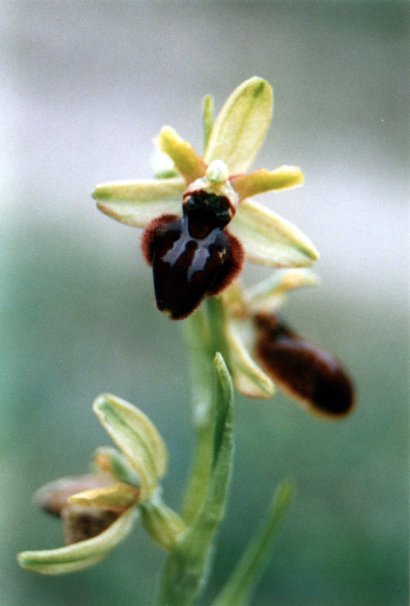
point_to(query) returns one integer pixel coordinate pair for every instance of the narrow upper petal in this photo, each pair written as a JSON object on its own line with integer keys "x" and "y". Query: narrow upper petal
{"x": 136, "y": 203}
{"x": 270, "y": 240}
{"x": 241, "y": 125}
{"x": 263, "y": 180}
{"x": 117, "y": 497}
{"x": 185, "y": 158}
{"x": 79, "y": 555}
{"x": 207, "y": 117}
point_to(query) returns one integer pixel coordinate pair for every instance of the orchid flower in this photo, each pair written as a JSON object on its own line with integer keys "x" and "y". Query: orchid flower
{"x": 201, "y": 222}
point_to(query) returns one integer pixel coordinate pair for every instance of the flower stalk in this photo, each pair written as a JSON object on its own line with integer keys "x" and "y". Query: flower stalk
{"x": 200, "y": 224}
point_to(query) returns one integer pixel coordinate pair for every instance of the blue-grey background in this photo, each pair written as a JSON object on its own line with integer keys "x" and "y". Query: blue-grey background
{"x": 85, "y": 87}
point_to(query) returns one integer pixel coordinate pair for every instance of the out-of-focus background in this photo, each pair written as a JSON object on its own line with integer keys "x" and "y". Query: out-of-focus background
{"x": 85, "y": 87}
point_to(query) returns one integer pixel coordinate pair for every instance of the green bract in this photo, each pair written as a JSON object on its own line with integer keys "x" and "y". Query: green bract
{"x": 234, "y": 139}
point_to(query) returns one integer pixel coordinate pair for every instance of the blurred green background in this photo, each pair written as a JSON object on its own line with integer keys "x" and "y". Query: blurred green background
{"x": 85, "y": 87}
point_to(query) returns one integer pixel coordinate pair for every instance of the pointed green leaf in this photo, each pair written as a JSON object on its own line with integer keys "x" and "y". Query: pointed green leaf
{"x": 117, "y": 497}
{"x": 263, "y": 180}
{"x": 185, "y": 158}
{"x": 137, "y": 437}
{"x": 223, "y": 412}
{"x": 188, "y": 561}
{"x": 269, "y": 294}
{"x": 248, "y": 377}
{"x": 241, "y": 125}
{"x": 237, "y": 590}
{"x": 136, "y": 203}
{"x": 79, "y": 555}
{"x": 270, "y": 240}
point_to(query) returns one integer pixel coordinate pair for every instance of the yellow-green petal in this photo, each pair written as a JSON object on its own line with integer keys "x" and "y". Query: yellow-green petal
{"x": 137, "y": 437}
{"x": 270, "y": 240}
{"x": 241, "y": 125}
{"x": 186, "y": 160}
{"x": 136, "y": 203}
{"x": 78, "y": 556}
{"x": 207, "y": 117}
{"x": 263, "y": 180}
{"x": 269, "y": 294}
{"x": 117, "y": 497}
{"x": 249, "y": 379}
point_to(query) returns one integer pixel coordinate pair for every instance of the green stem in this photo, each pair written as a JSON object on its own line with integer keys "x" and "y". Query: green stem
{"x": 216, "y": 320}
{"x": 206, "y": 493}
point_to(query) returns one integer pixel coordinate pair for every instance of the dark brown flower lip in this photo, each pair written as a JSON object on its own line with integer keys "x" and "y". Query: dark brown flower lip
{"x": 307, "y": 372}
{"x": 186, "y": 269}
{"x": 192, "y": 256}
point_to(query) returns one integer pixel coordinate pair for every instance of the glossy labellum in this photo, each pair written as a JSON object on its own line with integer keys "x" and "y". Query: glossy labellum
{"x": 192, "y": 256}
{"x": 301, "y": 368}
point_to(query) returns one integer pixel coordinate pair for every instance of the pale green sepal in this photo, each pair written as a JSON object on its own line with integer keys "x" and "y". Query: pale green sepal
{"x": 264, "y": 180}
{"x": 137, "y": 437}
{"x": 270, "y": 240}
{"x": 136, "y": 203}
{"x": 109, "y": 460}
{"x": 269, "y": 294}
{"x": 249, "y": 379}
{"x": 80, "y": 555}
{"x": 239, "y": 586}
{"x": 188, "y": 561}
{"x": 186, "y": 160}
{"x": 207, "y": 117}
{"x": 241, "y": 125}
{"x": 164, "y": 525}
{"x": 117, "y": 497}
